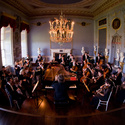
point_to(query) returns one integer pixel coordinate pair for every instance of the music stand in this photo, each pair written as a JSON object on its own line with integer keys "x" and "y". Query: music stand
{"x": 37, "y": 98}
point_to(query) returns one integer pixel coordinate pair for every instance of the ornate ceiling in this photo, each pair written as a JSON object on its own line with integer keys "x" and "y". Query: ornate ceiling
{"x": 83, "y": 8}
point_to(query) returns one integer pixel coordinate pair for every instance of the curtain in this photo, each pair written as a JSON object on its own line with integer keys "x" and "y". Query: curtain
{"x": 5, "y": 21}
{"x": 24, "y": 26}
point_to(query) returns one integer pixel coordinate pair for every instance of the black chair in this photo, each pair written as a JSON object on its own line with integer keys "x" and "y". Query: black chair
{"x": 11, "y": 101}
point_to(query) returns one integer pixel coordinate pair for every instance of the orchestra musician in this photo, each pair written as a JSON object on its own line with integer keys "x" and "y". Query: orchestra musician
{"x": 39, "y": 58}
{"x": 63, "y": 61}
{"x": 59, "y": 58}
{"x": 17, "y": 68}
{"x": 74, "y": 67}
{"x": 98, "y": 58}
{"x": 118, "y": 76}
{"x": 102, "y": 93}
{"x": 97, "y": 82}
{"x": 85, "y": 57}
{"x": 108, "y": 70}
{"x": 121, "y": 93}
{"x": 87, "y": 76}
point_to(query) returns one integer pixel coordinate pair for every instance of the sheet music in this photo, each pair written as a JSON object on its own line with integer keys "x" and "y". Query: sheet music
{"x": 35, "y": 86}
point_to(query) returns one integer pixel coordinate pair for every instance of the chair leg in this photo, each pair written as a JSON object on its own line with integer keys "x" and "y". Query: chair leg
{"x": 16, "y": 104}
{"x": 117, "y": 87}
{"x": 98, "y": 105}
{"x": 106, "y": 107}
{"x": 11, "y": 105}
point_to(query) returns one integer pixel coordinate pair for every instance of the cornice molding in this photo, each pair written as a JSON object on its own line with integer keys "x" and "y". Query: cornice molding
{"x": 9, "y": 7}
{"x": 108, "y": 4}
{"x": 85, "y": 8}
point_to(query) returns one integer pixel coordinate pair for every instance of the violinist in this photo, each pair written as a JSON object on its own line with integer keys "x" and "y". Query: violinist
{"x": 102, "y": 93}
{"x": 97, "y": 81}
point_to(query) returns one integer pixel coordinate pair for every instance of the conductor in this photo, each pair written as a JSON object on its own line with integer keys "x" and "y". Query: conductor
{"x": 60, "y": 88}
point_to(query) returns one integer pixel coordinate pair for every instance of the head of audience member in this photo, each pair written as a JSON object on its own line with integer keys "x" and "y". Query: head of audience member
{"x": 61, "y": 78}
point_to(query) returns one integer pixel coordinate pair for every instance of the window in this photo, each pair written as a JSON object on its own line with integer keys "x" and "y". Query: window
{"x": 6, "y": 46}
{"x": 24, "y": 43}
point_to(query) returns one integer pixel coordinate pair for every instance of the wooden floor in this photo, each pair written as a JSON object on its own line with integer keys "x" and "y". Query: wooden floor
{"x": 78, "y": 111}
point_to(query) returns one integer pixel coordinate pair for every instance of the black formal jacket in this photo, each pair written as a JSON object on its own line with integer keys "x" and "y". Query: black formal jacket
{"x": 60, "y": 91}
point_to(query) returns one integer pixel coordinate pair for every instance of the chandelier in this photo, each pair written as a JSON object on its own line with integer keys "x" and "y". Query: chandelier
{"x": 61, "y": 30}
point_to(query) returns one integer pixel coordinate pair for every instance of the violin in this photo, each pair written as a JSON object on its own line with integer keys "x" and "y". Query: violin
{"x": 103, "y": 87}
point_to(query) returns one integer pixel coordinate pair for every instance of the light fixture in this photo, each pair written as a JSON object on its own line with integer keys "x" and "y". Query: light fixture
{"x": 61, "y": 30}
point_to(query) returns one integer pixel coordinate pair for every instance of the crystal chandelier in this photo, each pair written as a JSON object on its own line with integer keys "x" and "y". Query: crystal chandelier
{"x": 61, "y": 30}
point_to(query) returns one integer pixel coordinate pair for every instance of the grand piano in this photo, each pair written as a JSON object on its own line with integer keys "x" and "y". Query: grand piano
{"x": 52, "y": 72}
